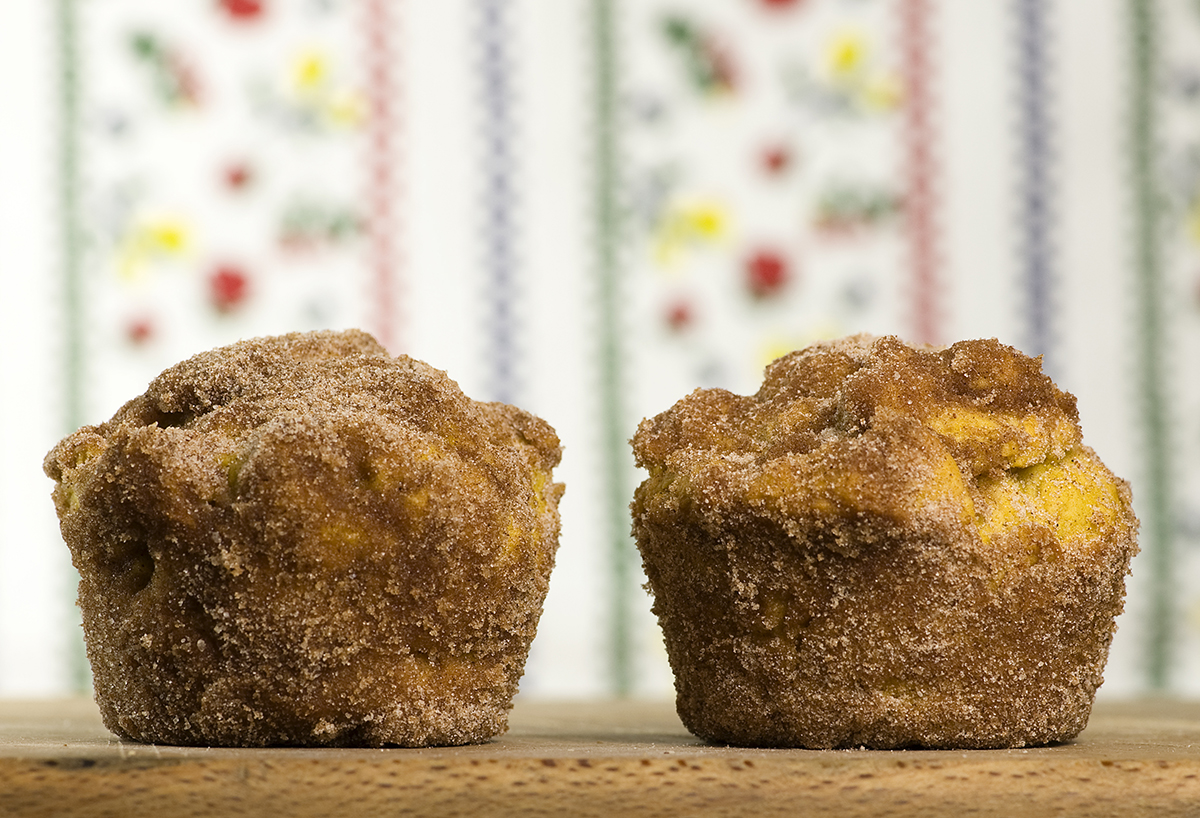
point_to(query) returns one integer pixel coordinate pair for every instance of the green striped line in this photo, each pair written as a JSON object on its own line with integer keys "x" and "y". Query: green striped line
{"x": 607, "y": 237}
{"x": 1156, "y": 536}
{"x": 71, "y": 247}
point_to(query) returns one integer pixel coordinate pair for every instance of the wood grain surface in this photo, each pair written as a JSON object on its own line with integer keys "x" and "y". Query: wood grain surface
{"x": 603, "y": 759}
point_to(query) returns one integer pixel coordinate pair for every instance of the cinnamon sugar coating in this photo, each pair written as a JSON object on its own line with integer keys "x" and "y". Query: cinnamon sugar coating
{"x": 301, "y": 540}
{"x": 887, "y": 547}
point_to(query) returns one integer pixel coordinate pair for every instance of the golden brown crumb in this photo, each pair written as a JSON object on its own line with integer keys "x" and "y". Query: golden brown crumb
{"x": 886, "y": 546}
{"x": 300, "y": 540}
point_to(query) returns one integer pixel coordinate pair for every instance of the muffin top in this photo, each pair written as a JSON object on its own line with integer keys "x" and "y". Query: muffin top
{"x": 868, "y": 432}
{"x": 313, "y": 426}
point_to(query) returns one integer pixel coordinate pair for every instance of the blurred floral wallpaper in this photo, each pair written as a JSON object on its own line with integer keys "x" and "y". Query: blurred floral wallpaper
{"x": 590, "y": 208}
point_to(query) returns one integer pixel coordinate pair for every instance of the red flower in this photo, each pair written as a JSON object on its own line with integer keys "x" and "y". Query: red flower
{"x": 228, "y": 288}
{"x": 242, "y": 9}
{"x": 781, "y": 4}
{"x": 766, "y": 274}
{"x": 139, "y": 331}
{"x": 679, "y": 315}
{"x": 776, "y": 159}
{"x": 238, "y": 175}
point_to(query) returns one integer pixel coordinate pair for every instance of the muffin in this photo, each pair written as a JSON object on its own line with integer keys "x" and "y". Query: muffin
{"x": 301, "y": 540}
{"x": 885, "y": 547}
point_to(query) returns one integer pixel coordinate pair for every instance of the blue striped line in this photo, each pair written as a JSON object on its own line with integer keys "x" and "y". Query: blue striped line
{"x": 1035, "y": 195}
{"x": 499, "y": 198}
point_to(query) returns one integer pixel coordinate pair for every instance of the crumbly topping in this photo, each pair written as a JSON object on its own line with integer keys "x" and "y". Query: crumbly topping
{"x": 885, "y": 545}
{"x": 301, "y": 540}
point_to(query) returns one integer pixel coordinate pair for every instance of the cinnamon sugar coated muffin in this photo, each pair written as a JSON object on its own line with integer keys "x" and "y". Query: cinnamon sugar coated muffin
{"x": 301, "y": 540}
{"x": 886, "y": 547}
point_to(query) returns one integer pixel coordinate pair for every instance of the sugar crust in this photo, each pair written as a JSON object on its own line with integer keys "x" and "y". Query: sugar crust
{"x": 886, "y": 546}
{"x": 301, "y": 540}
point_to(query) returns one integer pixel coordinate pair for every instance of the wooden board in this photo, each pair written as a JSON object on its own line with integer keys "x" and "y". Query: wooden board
{"x": 604, "y": 759}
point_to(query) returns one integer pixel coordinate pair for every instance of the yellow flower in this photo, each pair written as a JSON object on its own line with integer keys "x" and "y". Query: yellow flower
{"x": 168, "y": 236}
{"x": 688, "y": 224}
{"x": 310, "y": 70}
{"x": 149, "y": 240}
{"x": 846, "y": 54}
{"x": 707, "y": 220}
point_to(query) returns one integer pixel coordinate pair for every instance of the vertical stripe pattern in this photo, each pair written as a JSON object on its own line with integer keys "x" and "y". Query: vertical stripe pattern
{"x": 382, "y": 132}
{"x": 1035, "y": 191}
{"x": 920, "y": 155}
{"x": 499, "y": 227}
{"x": 607, "y": 238}
{"x": 71, "y": 261}
{"x": 1156, "y": 535}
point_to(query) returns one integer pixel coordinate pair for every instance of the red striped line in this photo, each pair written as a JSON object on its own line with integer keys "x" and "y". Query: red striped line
{"x": 921, "y": 172}
{"x": 384, "y": 252}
